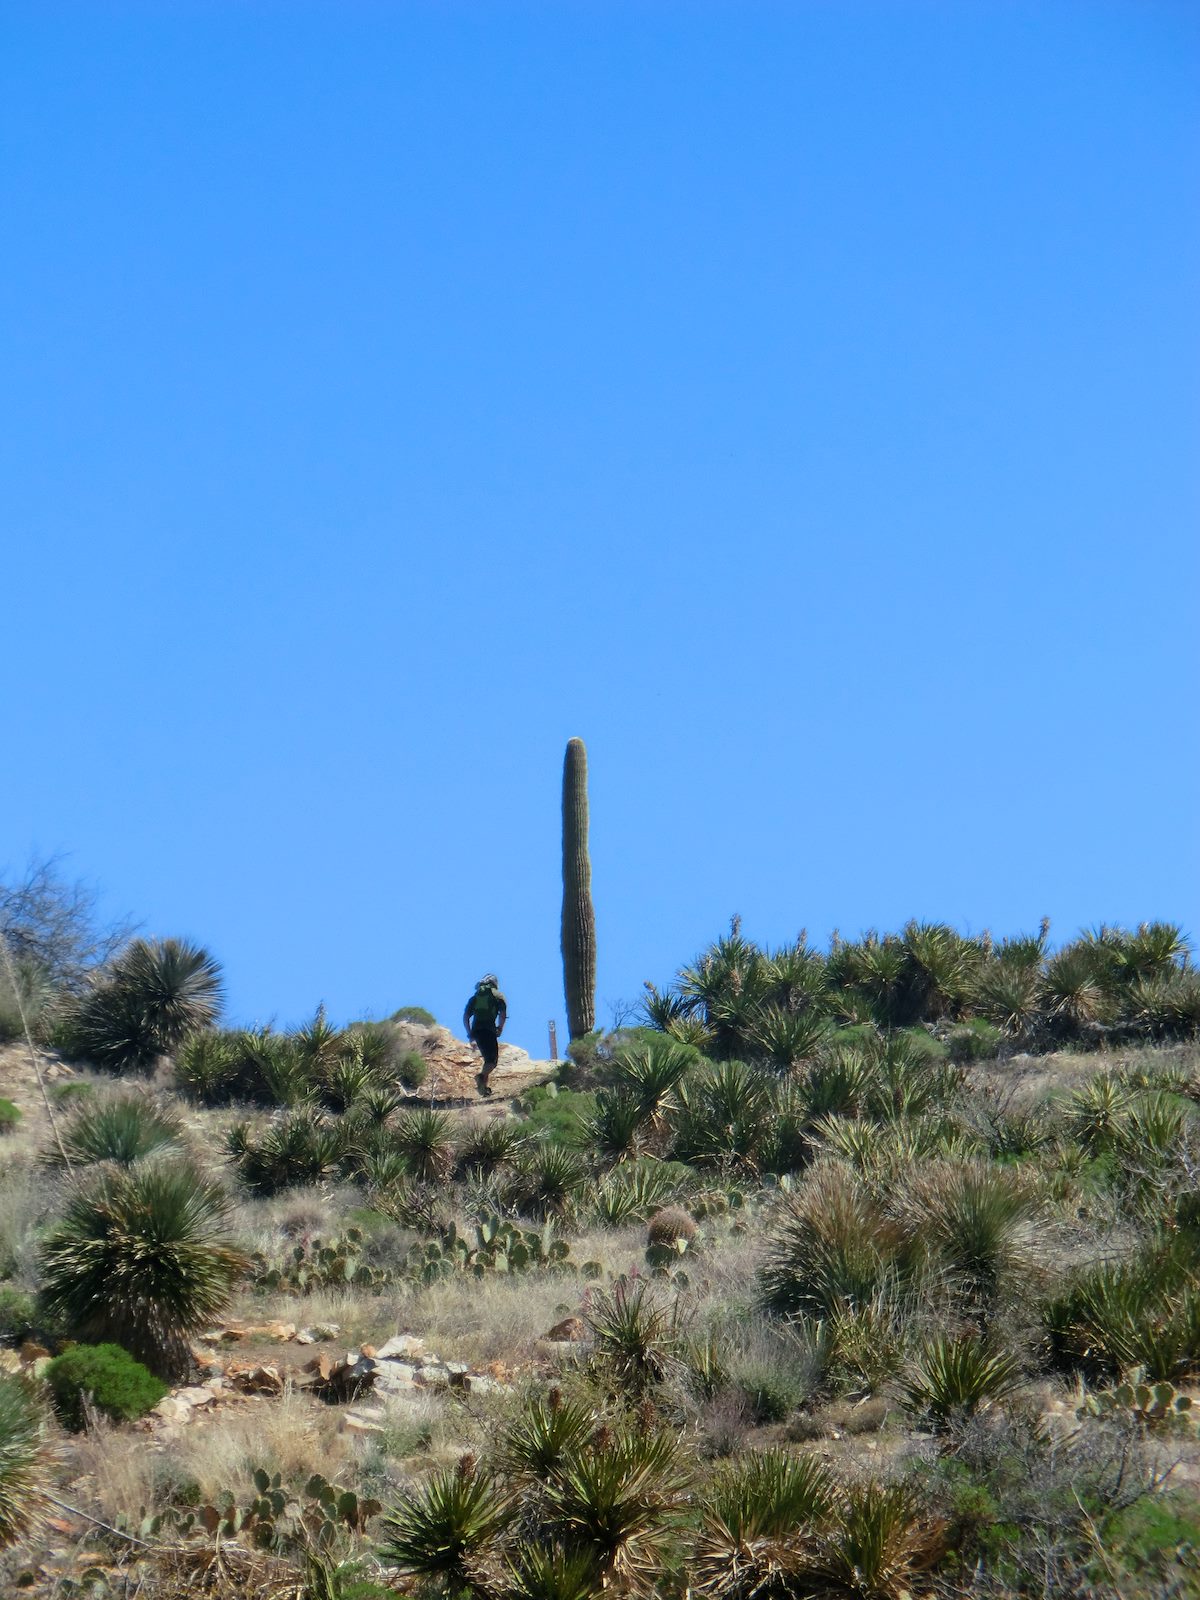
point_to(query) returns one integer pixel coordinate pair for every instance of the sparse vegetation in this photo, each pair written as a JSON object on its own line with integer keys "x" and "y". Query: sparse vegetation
{"x": 784, "y": 1292}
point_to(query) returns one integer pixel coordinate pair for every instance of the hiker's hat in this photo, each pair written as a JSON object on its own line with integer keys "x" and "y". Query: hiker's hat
{"x": 488, "y": 981}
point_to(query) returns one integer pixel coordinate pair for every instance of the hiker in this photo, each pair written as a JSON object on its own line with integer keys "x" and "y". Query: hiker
{"x": 484, "y": 1021}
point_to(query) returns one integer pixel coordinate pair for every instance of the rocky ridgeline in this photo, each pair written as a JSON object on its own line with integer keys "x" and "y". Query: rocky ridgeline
{"x": 452, "y": 1065}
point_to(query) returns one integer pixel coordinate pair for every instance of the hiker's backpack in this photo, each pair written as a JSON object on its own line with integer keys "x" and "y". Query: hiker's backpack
{"x": 486, "y": 1007}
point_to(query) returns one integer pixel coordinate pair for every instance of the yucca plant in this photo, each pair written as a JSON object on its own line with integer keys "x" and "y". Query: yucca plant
{"x": 547, "y": 1181}
{"x": 155, "y": 994}
{"x": 535, "y": 1571}
{"x": 940, "y": 964}
{"x": 760, "y": 1516}
{"x": 969, "y": 1215}
{"x": 635, "y": 1336}
{"x": 830, "y": 1245}
{"x": 441, "y": 1530}
{"x": 1163, "y": 1006}
{"x": 376, "y": 1106}
{"x": 1144, "y": 1312}
{"x": 1010, "y": 995}
{"x": 425, "y": 1140}
{"x": 724, "y": 1117}
{"x": 797, "y": 978}
{"x": 631, "y": 1192}
{"x": 24, "y": 1464}
{"x": 123, "y": 1129}
{"x": 487, "y": 1145}
{"x": 142, "y": 1259}
{"x": 301, "y": 1148}
{"x": 616, "y": 1128}
{"x": 1073, "y": 995}
{"x": 649, "y": 1074}
{"x": 346, "y": 1081}
{"x": 206, "y": 1067}
{"x": 874, "y": 1547}
{"x": 836, "y": 1084}
{"x": 956, "y": 1376}
{"x": 622, "y": 1504}
{"x": 789, "y": 1038}
{"x": 543, "y": 1436}
{"x": 320, "y": 1045}
{"x": 1094, "y": 1112}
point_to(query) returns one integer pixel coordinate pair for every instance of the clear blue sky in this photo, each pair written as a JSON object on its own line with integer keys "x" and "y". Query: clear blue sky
{"x": 798, "y": 402}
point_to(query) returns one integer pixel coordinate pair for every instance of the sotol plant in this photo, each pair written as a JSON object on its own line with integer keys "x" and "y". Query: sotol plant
{"x": 22, "y": 1461}
{"x": 578, "y": 917}
{"x": 141, "y": 1259}
{"x": 155, "y": 995}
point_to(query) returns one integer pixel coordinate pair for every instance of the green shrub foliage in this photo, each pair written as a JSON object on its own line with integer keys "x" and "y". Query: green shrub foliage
{"x": 107, "y": 1377}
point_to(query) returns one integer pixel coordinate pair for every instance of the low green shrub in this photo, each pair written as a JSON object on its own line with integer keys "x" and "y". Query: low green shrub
{"x": 120, "y": 1387}
{"x": 417, "y": 1014}
{"x": 561, "y": 1116}
{"x": 411, "y": 1069}
{"x": 18, "y": 1313}
{"x": 977, "y": 1039}
{"x": 10, "y": 1115}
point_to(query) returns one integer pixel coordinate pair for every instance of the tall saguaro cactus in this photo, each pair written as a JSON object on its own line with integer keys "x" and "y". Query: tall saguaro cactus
{"x": 578, "y": 917}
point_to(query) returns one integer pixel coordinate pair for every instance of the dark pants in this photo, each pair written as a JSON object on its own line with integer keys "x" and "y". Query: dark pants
{"x": 489, "y": 1046}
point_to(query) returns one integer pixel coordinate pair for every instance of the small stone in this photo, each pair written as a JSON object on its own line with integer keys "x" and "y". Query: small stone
{"x": 367, "y": 1350}
{"x": 322, "y": 1331}
{"x": 400, "y": 1370}
{"x": 364, "y": 1421}
{"x": 304, "y": 1337}
{"x": 403, "y": 1346}
{"x": 432, "y": 1377}
{"x": 457, "y": 1371}
{"x": 569, "y": 1331}
{"x": 479, "y": 1383}
{"x": 195, "y": 1396}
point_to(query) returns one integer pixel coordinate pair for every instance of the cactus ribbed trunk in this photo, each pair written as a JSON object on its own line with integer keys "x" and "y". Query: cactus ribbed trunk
{"x": 578, "y": 918}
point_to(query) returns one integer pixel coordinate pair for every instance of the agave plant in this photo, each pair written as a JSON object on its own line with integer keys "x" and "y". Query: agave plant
{"x": 956, "y": 1376}
{"x": 23, "y": 1462}
{"x": 122, "y": 1129}
{"x": 154, "y": 996}
{"x": 142, "y": 1259}
{"x": 441, "y": 1530}
{"x": 319, "y": 1044}
{"x": 622, "y": 1505}
{"x": 760, "y": 1517}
